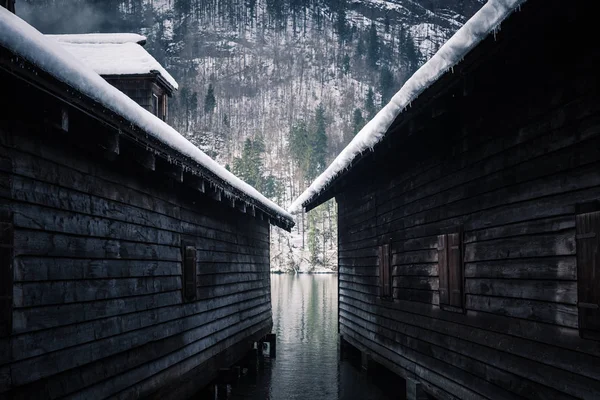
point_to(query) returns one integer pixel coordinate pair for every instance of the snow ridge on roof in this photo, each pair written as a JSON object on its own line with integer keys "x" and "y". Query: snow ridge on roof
{"x": 114, "y": 38}
{"x": 484, "y": 22}
{"x": 127, "y": 58}
{"x": 19, "y": 37}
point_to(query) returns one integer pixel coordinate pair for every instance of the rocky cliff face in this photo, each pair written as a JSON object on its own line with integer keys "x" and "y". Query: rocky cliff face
{"x": 275, "y": 88}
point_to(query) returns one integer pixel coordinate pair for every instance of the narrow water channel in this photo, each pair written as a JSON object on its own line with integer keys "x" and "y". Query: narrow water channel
{"x": 307, "y": 366}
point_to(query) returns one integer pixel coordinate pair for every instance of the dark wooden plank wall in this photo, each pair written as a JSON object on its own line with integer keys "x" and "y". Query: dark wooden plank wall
{"x": 140, "y": 90}
{"x": 509, "y": 166}
{"x": 97, "y": 308}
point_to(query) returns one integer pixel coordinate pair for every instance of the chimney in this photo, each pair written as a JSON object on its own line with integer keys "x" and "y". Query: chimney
{"x": 8, "y": 4}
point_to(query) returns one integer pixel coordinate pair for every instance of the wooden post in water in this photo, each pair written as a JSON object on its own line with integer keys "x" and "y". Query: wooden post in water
{"x": 272, "y": 340}
{"x": 366, "y": 362}
{"x": 342, "y": 346}
{"x": 414, "y": 390}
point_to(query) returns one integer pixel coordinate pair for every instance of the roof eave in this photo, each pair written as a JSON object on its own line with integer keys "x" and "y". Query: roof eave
{"x": 25, "y": 70}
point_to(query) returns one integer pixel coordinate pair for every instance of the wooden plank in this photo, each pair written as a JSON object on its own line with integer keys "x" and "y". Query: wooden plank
{"x": 187, "y": 377}
{"x": 40, "y": 243}
{"x": 126, "y": 196}
{"x": 551, "y": 291}
{"x": 543, "y": 354}
{"x": 534, "y": 331}
{"x": 560, "y": 267}
{"x": 53, "y": 220}
{"x": 492, "y": 365}
{"x": 557, "y": 224}
{"x": 35, "y": 294}
{"x": 35, "y": 269}
{"x": 103, "y": 326}
{"x": 134, "y": 365}
{"x": 550, "y": 313}
{"x": 31, "y": 319}
{"x": 559, "y": 244}
{"x": 416, "y": 361}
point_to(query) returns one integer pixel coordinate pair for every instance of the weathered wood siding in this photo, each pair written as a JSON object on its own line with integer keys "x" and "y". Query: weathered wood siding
{"x": 507, "y": 163}
{"x": 141, "y": 91}
{"x": 97, "y": 300}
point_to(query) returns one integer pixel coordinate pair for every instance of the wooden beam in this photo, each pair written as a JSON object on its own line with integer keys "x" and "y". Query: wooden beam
{"x": 215, "y": 193}
{"x": 172, "y": 170}
{"x": 139, "y": 154}
{"x": 194, "y": 181}
{"x": 241, "y": 205}
{"x": 64, "y": 123}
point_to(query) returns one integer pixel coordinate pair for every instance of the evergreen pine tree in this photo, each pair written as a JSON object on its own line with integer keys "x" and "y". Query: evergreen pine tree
{"x": 387, "y": 85}
{"x": 346, "y": 64}
{"x": 373, "y": 50}
{"x": 341, "y": 24}
{"x": 357, "y": 121}
{"x": 209, "y": 100}
{"x": 370, "y": 104}
{"x": 318, "y": 144}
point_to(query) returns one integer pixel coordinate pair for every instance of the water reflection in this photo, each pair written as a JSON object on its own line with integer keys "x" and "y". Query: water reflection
{"x": 307, "y": 364}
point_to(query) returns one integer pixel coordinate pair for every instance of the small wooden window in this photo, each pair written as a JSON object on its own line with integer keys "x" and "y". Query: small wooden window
{"x": 450, "y": 269}
{"x": 6, "y": 273}
{"x": 385, "y": 273}
{"x": 189, "y": 272}
{"x": 155, "y": 108}
{"x": 588, "y": 274}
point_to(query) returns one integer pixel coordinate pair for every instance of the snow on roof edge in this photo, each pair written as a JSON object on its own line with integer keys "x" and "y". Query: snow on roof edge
{"x": 484, "y": 22}
{"x": 99, "y": 38}
{"x": 21, "y": 38}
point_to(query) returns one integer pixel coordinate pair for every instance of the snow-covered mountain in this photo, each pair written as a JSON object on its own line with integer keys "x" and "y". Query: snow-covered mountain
{"x": 252, "y": 74}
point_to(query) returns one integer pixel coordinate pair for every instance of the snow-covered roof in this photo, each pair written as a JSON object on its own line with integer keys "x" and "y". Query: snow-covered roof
{"x": 483, "y": 23}
{"x": 104, "y": 38}
{"x": 47, "y": 54}
{"x": 128, "y": 58}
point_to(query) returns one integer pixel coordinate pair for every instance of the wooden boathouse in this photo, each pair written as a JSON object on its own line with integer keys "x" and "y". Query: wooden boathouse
{"x": 131, "y": 264}
{"x": 469, "y": 237}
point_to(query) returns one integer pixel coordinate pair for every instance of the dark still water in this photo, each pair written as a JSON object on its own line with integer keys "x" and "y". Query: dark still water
{"x": 307, "y": 365}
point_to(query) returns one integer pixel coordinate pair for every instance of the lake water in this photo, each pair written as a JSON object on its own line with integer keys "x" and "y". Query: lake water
{"x": 307, "y": 365}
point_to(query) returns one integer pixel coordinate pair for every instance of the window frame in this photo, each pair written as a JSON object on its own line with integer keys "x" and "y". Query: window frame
{"x": 189, "y": 271}
{"x": 451, "y": 271}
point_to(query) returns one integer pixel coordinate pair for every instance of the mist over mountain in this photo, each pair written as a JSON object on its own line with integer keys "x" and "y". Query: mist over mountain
{"x": 274, "y": 89}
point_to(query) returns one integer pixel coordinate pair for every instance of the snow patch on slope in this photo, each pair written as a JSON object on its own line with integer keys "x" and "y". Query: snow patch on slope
{"x": 484, "y": 22}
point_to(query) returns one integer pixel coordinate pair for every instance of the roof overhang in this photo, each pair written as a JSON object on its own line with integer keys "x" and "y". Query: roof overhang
{"x": 123, "y": 133}
{"x": 152, "y": 76}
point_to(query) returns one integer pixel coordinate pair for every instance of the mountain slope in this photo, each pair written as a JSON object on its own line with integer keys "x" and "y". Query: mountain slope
{"x": 260, "y": 78}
